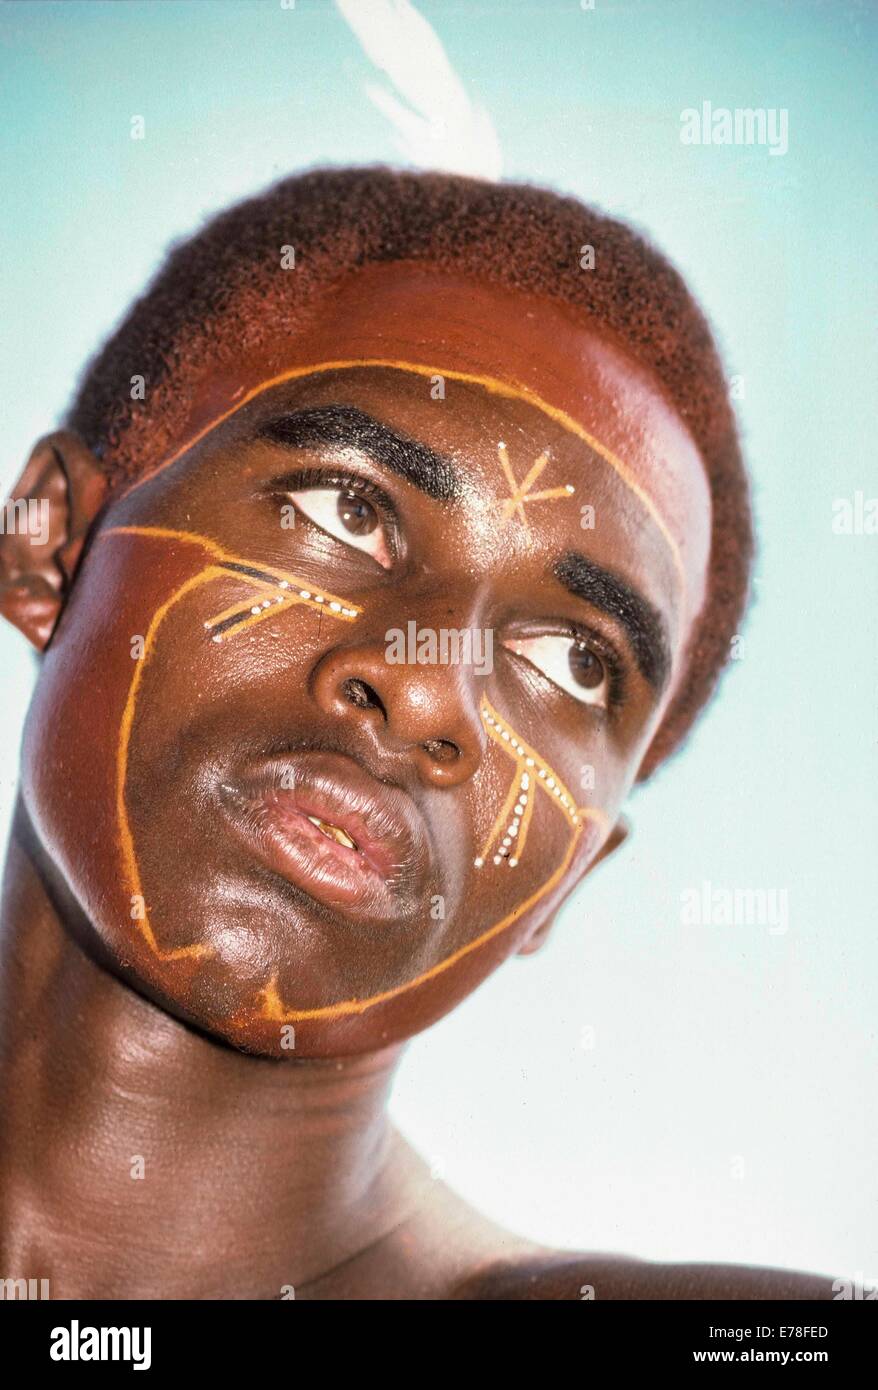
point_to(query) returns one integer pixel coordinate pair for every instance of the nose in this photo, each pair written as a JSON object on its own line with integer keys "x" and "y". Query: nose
{"x": 427, "y": 714}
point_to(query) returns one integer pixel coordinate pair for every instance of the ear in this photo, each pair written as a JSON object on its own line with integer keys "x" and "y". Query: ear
{"x": 617, "y": 836}
{"x": 43, "y": 527}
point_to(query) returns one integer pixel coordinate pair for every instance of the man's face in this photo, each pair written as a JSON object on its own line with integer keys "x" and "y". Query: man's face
{"x": 348, "y": 694}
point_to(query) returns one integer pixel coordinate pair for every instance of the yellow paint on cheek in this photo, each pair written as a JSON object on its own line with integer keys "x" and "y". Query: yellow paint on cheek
{"x": 532, "y": 776}
{"x": 129, "y": 857}
{"x": 224, "y": 565}
{"x": 274, "y": 1010}
{"x": 543, "y": 779}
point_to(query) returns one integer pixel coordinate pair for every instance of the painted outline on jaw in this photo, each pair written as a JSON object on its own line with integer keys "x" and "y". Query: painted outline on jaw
{"x": 277, "y": 590}
{"x": 285, "y": 590}
{"x": 502, "y": 733}
{"x": 530, "y": 766}
{"x": 235, "y": 620}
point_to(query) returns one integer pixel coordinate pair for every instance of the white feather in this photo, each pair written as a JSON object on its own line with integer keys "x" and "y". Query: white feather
{"x": 436, "y": 124}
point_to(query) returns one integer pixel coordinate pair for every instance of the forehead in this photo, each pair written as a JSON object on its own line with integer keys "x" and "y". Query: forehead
{"x": 520, "y": 485}
{"x": 512, "y": 366}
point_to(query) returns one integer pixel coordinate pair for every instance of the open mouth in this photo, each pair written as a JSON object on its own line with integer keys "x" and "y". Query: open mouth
{"x": 333, "y": 832}
{"x": 324, "y": 824}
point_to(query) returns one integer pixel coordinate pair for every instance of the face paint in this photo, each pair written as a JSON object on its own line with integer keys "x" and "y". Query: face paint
{"x": 255, "y": 947}
{"x": 287, "y": 591}
{"x": 519, "y": 494}
{"x": 489, "y": 384}
{"x": 537, "y": 776}
{"x": 532, "y": 775}
{"x": 282, "y": 593}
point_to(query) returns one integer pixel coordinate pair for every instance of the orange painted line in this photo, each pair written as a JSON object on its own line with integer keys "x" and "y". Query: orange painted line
{"x": 549, "y": 494}
{"x": 506, "y": 390}
{"x": 253, "y": 618}
{"x": 243, "y": 606}
{"x": 129, "y": 858}
{"x": 218, "y": 553}
{"x": 131, "y": 870}
{"x": 166, "y": 533}
{"x": 273, "y": 1008}
{"x": 503, "y": 816}
{"x": 279, "y": 605}
{"x": 540, "y": 773}
{"x": 536, "y": 469}
{"x": 503, "y": 456}
{"x": 521, "y": 841}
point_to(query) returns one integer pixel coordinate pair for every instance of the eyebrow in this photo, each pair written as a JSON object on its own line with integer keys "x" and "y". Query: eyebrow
{"x": 435, "y": 474}
{"x": 348, "y": 427}
{"x": 646, "y": 628}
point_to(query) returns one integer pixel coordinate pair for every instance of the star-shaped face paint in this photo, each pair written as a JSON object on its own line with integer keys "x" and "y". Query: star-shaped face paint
{"x": 520, "y": 493}
{"x": 379, "y": 648}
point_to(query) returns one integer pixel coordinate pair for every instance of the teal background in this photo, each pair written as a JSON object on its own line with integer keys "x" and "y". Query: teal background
{"x": 725, "y": 1108}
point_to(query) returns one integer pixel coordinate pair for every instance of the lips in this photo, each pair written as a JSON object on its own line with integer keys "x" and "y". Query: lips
{"x": 324, "y": 824}
{"x": 333, "y": 832}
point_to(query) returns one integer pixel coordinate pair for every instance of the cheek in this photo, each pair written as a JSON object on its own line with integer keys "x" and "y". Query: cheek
{"x": 104, "y": 725}
{"x": 531, "y": 836}
{"x": 540, "y": 828}
{"x": 76, "y": 741}
{"x": 532, "y": 777}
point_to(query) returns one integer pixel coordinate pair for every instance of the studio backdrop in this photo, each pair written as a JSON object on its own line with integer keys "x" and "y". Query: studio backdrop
{"x": 665, "y": 1078}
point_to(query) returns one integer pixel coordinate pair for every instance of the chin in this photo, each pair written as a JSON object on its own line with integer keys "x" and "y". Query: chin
{"x": 284, "y": 979}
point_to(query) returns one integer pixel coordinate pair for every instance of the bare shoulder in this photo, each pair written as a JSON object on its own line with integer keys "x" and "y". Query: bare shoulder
{"x": 568, "y": 1274}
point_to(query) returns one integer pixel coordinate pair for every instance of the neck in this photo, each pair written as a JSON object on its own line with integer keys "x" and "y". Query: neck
{"x": 140, "y": 1159}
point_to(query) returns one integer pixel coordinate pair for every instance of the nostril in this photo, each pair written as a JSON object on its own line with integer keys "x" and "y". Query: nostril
{"x": 364, "y": 696}
{"x": 442, "y": 750}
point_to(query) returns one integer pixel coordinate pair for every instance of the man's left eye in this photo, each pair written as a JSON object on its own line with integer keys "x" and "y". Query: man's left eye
{"x": 349, "y": 517}
{"x": 569, "y": 663}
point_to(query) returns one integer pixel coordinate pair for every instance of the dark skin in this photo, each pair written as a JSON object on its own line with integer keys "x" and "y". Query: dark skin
{"x": 204, "y": 964}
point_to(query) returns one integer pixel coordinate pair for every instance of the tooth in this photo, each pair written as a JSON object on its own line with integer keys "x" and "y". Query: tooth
{"x": 333, "y": 832}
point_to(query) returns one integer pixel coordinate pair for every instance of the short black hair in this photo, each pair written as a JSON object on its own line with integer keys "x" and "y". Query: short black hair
{"x": 218, "y": 289}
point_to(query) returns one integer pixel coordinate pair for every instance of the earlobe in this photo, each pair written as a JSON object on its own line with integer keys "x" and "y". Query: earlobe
{"x": 617, "y": 836}
{"x": 43, "y": 527}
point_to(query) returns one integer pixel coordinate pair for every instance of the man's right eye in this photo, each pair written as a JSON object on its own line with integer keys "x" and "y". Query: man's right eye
{"x": 346, "y": 515}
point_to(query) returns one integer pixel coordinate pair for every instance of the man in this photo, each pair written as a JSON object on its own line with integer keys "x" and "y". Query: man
{"x": 398, "y": 530}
